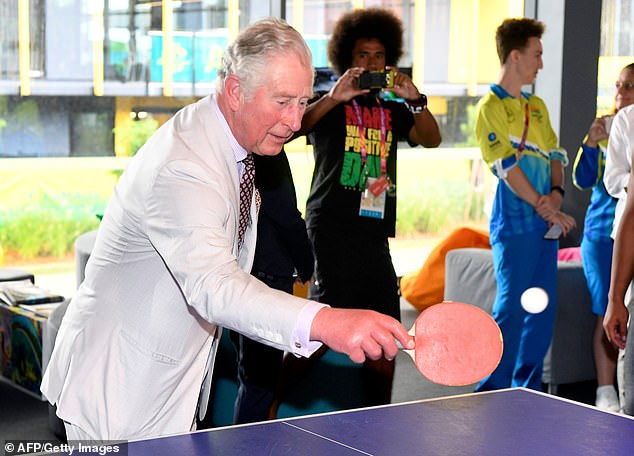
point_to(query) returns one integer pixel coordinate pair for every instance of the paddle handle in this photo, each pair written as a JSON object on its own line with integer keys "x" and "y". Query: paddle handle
{"x": 411, "y": 333}
{"x": 399, "y": 345}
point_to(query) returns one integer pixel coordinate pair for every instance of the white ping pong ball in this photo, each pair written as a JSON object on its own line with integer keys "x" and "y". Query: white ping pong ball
{"x": 534, "y": 300}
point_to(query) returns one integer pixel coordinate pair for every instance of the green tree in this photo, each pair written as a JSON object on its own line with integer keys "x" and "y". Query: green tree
{"x": 136, "y": 132}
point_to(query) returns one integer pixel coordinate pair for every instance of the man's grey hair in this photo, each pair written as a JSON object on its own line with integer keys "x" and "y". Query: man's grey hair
{"x": 248, "y": 56}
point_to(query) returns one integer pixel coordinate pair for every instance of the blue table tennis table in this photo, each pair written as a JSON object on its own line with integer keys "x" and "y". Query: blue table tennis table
{"x": 513, "y": 422}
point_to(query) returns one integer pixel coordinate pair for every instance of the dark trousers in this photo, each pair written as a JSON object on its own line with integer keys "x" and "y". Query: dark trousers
{"x": 355, "y": 270}
{"x": 258, "y": 367}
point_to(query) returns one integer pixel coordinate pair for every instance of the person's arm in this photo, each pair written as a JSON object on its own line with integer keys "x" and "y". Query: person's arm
{"x": 556, "y": 196}
{"x": 360, "y": 334}
{"x": 425, "y": 131}
{"x": 521, "y": 186}
{"x": 549, "y": 207}
{"x": 616, "y": 316}
{"x": 596, "y": 133}
{"x": 492, "y": 131}
{"x": 585, "y": 172}
{"x": 543, "y": 204}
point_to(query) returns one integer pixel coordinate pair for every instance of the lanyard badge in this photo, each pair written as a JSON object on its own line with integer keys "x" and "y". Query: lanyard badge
{"x": 520, "y": 147}
{"x": 376, "y": 189}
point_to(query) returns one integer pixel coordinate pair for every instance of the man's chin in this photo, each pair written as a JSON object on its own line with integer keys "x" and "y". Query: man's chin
{"x": 269, "y": 150}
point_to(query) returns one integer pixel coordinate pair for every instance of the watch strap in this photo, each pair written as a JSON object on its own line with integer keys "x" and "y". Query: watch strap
{"x": 417, "y": 106}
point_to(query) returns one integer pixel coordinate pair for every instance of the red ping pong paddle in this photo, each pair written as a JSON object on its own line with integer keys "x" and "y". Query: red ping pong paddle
{"x": 456, "y": 343}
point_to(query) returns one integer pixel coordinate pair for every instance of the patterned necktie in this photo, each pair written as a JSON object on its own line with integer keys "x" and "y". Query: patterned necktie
{"x": 246, "y": 194}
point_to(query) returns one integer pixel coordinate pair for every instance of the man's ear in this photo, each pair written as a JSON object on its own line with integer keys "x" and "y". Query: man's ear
{"x": 233, "y": 91}
{"x": 514, "y": 56}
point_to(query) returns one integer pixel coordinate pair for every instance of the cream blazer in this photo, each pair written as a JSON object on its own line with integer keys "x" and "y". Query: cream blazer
{"x": 139, "y": 337}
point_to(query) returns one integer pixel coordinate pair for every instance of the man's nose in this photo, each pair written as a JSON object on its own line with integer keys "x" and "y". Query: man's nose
{"x": 373, "y": 64}
{"x": 293, "y": 117}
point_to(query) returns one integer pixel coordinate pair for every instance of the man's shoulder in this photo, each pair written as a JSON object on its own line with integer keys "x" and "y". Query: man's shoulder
{"x": 535, "y": 100}
{"x": 490, "y": 103}
{"x": 185, "y": 118}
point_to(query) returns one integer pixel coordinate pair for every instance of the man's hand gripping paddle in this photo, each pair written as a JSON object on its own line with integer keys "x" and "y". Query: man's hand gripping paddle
{"x": 456, "y": 343}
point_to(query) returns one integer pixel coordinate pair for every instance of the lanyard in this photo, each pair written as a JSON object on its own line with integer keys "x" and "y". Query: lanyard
{"x": 362, "y": 138}
{"x": 520, "y": 148}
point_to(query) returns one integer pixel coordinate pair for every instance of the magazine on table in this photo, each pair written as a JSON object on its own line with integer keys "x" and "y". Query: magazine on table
{"x": 43, "y": 310}
{"x": 24, "y": 293}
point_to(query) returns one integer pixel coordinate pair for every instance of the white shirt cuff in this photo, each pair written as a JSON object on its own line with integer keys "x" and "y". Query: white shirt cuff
{"x": 302, "y": 345}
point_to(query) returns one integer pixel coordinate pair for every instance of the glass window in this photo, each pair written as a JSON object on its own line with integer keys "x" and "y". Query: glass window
{"x": 40, "y": 126}
{"x": 9, "y": 62}
{"x": 617, "y": 49}
{"x": 9, "y": 33}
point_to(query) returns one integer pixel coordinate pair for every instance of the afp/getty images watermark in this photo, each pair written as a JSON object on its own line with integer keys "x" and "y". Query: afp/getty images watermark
{"x": 101, "y": 448}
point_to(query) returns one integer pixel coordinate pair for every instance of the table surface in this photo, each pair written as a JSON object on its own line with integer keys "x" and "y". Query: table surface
{"x": 515, "y": 421}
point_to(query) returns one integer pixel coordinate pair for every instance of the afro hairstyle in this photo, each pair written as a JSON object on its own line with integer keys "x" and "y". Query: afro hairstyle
{"x": 370, "y": 23}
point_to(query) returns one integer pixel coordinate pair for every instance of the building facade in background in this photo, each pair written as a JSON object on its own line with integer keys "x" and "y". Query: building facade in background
{"x": 74, "y": 73}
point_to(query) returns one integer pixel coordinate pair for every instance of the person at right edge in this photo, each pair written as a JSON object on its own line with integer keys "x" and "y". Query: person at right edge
{"x": 617, "y": 316}
{"x": 520, "y": 147}
{"x": 617, "y": 180}
{"x": 351, "y": 208}
{"x": 597, "y": 244}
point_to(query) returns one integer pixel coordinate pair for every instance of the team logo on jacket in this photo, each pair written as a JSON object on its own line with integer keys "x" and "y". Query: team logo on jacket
{"x": 492, "y": 137}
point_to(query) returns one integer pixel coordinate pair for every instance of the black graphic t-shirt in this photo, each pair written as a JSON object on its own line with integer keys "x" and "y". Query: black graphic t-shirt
{"x": 338, "y": 177}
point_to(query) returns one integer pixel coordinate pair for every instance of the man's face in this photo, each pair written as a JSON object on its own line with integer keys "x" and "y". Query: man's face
{"x": 274, "y": 112}
{"x": 530, "y": 60}
{"x": 369, "y": 54}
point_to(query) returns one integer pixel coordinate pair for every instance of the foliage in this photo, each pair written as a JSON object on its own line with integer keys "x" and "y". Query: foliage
{"x": 26, "y": 117}
{"x": 467, "y": 128}
{"x": 135, "y": 133}
{"x": 433, "y": 196}
{"x": 434, "y": 207}
{"x": 49, "y": 227}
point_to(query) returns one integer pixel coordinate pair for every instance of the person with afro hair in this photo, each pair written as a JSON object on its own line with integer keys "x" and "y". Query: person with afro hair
{"x": 351, "y": 208}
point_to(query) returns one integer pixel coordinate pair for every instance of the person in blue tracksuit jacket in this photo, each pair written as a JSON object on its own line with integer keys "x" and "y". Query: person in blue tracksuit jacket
{"x": 520, "y": 147}
{"x": 597, "y": 244}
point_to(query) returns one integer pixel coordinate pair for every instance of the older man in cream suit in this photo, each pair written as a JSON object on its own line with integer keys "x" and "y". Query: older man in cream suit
{"x": 135, "y": 350}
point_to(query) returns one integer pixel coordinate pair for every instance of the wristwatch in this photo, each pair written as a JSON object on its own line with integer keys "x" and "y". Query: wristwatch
{"x": 417, "y": 106}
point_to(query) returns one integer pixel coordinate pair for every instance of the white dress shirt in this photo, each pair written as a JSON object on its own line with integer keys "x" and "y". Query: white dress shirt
{"x": 618, "y": 162}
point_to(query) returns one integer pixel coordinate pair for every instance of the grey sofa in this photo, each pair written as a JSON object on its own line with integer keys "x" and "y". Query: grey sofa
{"x": 469, "y": 277}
